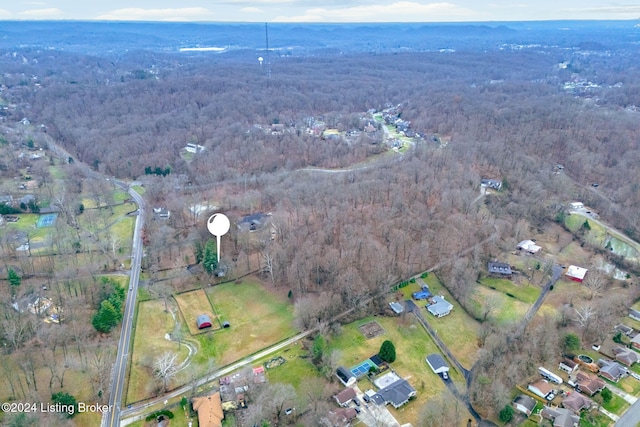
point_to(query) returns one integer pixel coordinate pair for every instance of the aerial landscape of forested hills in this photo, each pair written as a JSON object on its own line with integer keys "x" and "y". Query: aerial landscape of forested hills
{"x": 376, "y": 155}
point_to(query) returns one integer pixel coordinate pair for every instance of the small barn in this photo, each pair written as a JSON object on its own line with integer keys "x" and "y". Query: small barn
{"x": 203, "y": 321}
{"x": 576, "y": 273}
{"x": 437, "y": 363}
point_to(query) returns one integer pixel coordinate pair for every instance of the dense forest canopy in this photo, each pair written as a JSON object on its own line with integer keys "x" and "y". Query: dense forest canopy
{"x": 514, "y": 106}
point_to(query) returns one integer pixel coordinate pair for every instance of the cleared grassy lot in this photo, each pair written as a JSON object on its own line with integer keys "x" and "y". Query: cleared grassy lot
{"x": 258, "y": 319}
{"x": 295, "y": 371}
{"x": 192, "y": 304}
{"x": 149, "y": 343}
{"x": 526, "y": 293}
{"x": 506, "y": 310}
{"x": 616, "y": 405}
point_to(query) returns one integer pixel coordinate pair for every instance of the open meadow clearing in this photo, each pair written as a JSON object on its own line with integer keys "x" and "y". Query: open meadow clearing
{"x": 257, "y": 319}
{"x": 149, "y": 343}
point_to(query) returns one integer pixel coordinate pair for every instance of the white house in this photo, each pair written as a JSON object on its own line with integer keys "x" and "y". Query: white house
{"x": 529, "y": 246}
{"x": 576, "y": 205}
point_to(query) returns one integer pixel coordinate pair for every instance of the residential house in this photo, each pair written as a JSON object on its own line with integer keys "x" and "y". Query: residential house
{"x": 397, "y": 393}
{"x": 209, "y": 409}
{"x": 626, "y": 356}
{"x": 635, "y": 342}
{"x": 162, "y": 212}
{"x": 491, "y": 183}
{"x": 194, "y": 148}
{"x": 253, "y": 222}
{"x": 340, "y": 417}
{"x": 560, "y": 417}
{"x": 345, "y": 396}
{"x": 587, "y": 383}
{"x": 529, "y": 246}
{"x": 345, "y": 376}
{"x": 437, "y": 363}
{"x": 524, "y": 404}
{"x": 499, "y": 268}
{"x": 422, "y": 294}
{"x": 439, "y": 306}
{"x": 634, "y": 314}
{"x": 576, "y": 273}
{"x": 542, "y": 388}
{"x": 398, "y": 308}
{"x": 611, "y": 370}
{"x": 568, "y": 365}
{"x": 576, "y": 205}
{"x": 624, "y": 329}
{"x": 576, "y": 402}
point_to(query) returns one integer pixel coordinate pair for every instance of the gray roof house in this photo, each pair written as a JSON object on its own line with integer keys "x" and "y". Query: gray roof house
{"x": 253, "y": 222}
{"x": 611, "y": 370}
{"x": 437, "y": 363}
{"x": 634, "y": 314}
{"x": 397, "y": 393}
{"x": 560, "y": 417}
{"x": 524, "y": 404}
{"x": 397, "y": 307}
{"x": 439, "y": 307}
{"x": 500, "y": 268}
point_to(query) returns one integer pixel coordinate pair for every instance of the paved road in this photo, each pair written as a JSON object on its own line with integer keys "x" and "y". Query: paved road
{"x": 112, "y": 418}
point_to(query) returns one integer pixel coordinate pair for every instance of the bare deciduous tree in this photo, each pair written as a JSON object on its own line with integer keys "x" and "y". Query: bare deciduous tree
{"x": 165, "y": 368}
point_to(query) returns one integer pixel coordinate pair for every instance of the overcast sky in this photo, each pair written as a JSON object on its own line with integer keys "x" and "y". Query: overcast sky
{"x": 319, "y": 10}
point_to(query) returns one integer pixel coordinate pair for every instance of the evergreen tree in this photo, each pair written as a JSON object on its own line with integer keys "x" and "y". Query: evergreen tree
{"x": 106, "y": 318}
{"x": 210, "y": 257}
{"x": 387, "y": 351}
{"x": 66, "y": 399}
{"x": 14, "y": 280}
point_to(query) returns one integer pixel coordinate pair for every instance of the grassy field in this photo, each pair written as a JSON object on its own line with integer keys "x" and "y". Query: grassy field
{"x": 139, "y": 189}
{"x": 149, "y": 343}
{"x": 507, "y": 310}
{"x": 295, "y": 370}
{"x": 258, "y": 319}
{"x": 193, "y": 304}
{"x": 526, "y": 293}
{"x": 180, "y": 418}
{"x": 595, "y": 419}
{"x": 412, "y": 346}
{"x": 616, "y": 405}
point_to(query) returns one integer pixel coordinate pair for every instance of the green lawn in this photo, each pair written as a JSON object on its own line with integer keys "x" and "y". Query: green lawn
{"x": 458, "y": 330}
{"x": 149, "y": 343}
{"x": 139, "y": 189}
{"x": 526, "y": 293}
{"x": 412, "y": 345}
{"x": 616, "y": 405}
{"x": 258, "y": 319}
{"x": 594, "y": 419}
{"x": 507, "y": 311}
{"x": 295, "y": 370}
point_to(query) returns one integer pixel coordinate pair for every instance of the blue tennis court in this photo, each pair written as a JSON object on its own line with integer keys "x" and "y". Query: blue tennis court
{"x": 362, "y": 369}
{"x": 47, "y": 220}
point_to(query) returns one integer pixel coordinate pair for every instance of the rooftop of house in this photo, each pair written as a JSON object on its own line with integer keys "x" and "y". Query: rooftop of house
{"x": 436, "y": 362}
{"x": 345, "y": 395}
{"x": 525, "y": 401}
{"x": 576, "y": 402}
{"x": 576, "y": 272}
{"x": 209, "y": 409}
{"x": 542, "y": 385}
{"x": 397, "y": 393}
{"x": 499, "y": 268}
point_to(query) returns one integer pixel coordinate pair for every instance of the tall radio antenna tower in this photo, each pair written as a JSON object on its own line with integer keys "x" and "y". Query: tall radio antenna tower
{"x": 266, "y": 34}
